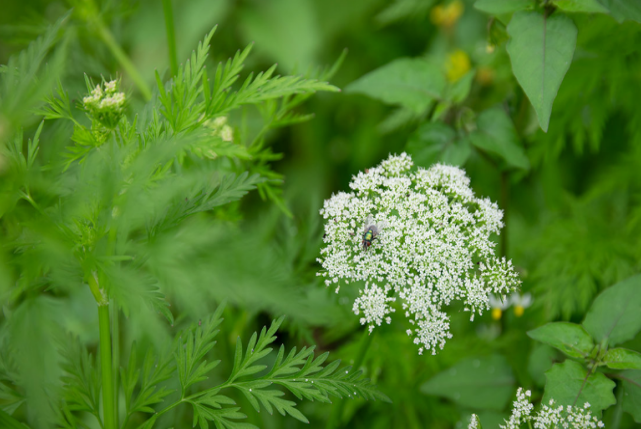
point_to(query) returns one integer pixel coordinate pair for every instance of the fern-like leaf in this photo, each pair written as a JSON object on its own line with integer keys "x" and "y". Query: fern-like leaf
{"x": 81, "y": 379}
{"x": 154, "y": 372}
{"x": 194, "y": 345}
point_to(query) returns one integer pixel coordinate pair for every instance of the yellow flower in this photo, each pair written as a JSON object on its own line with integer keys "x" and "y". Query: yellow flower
{"x": 446, "y": 16}
{"x": 498, "y": 305}
{"x": 520, "y": 303}
{"x": 458, "y": 64}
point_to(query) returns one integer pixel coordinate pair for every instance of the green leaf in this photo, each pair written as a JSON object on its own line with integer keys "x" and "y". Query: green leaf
{"x": 632, "y": 393}
{"x": 568, "y": 384}
{"x": 436, "y": 142}
{"x": 81, "y": 378}
{"x": 8, "y": 422}
{"x": 194, "y": 346}
{"x": 623, "y": 10}
{"x": 496, "y": 134}
{"x": 410, "y": 82}
{"x": 497, "y": 7}
{"x": 459, "y": 90}
{"x": 615, "y": 315}
{"x": 586, "y": 6}
{"x": 463, "y": 382}
{"x": 154, "y": 371}
{"x": 622, "y": 359}
{"x": 541, "y": 49}
{"x": 570, "y": 338}
{"x": 541, "y": 359}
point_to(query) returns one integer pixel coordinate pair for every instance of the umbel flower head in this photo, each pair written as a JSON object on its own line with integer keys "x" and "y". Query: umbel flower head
{"x": 105, "y": 104}
{"x": 430, "y": 246}
{"x": 547, "y": 417}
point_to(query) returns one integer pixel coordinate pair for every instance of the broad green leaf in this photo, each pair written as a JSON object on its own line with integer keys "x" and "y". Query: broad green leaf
{"x": 615, "y": 315}
{"x": 541, "y": 50}
{"x": 622, "y": 359}
{"x": 623, "y": 10}
{"x": 541, "y": 359}
{"x": 497, "y": 7}
{"x": 410, "y": 82}
{"x": 632, "y": 393}
{"x": 496, "y": 134}
{"x": 459, "y": 90}
{"x": 436, "y": 142}
{"x": 570, "y": 338}
{"x": 586, "y": 6}
{"x": 568, "y": 384}
{"x": 463, "y": 382}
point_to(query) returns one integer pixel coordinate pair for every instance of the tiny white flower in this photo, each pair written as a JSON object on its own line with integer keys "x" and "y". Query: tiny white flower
{"x": 227, "y": 133}
{"x": 475, "y": 423}
{"x": 219, "y": 122}
{"x": 110, "y": 86}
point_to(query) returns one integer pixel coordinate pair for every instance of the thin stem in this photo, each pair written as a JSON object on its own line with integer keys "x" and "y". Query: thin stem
{"x": 105, "y": 364}
{"x": 505, "y": 196}
{"x": 337, "y": 411}
{"x": 122, "y": 58}
{"x": 115, "y": 332}
{"x": 171, "y": 36}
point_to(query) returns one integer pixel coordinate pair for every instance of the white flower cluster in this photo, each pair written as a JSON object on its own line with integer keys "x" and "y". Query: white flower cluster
{"x": 550, "y": 417}
{"x": 220, "y": 128}
{"x": 105, "y": 103}
{"x": 430, "y": 246}
{"x": 522, "y": 408}
{"x": 475, "y": 423}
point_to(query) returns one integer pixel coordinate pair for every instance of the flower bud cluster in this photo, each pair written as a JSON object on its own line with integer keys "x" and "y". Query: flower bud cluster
{"x": 432, "y": 246}
{"x": 220, "y": 128}
{"x": 549, "y": 416}
{"x": 105, "y": 104}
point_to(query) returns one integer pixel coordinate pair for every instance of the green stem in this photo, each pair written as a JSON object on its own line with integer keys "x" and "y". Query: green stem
{"x": 105, "y": 364}
{"x": 122, "y": 58}
{"x": 505, "y": 196}
{"x": 171, "y": 36}
{"x": 337, "y": 411}
{"x": 115, "y": 332}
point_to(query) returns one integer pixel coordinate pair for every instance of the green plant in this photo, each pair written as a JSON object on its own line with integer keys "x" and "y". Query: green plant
{"x": 468, "y": 83}
{"x": 104, "y": 212}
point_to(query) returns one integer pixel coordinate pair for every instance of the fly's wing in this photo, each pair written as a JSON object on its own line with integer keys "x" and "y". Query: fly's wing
{"x": 368, "y": 222}
{"x": 381, "y": 225}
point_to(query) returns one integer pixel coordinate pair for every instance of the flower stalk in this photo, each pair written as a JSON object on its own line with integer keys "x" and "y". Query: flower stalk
{"x": 122, "y": 58}
{"x": 108, "y": 402}
{"x": 108, "y": 395}
{"x": 171, "y": 36}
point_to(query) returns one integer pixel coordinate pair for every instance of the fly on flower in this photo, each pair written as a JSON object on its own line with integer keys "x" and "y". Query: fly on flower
{"x": 437, "y": 229}
{"x": 371, "y": 231}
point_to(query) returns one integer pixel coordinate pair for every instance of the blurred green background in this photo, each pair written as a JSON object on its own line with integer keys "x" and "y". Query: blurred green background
{"x": 573, "y": 216}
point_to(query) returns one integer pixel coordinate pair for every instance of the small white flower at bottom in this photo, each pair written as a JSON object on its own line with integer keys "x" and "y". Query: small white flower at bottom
{"x": 475, "y": 423}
